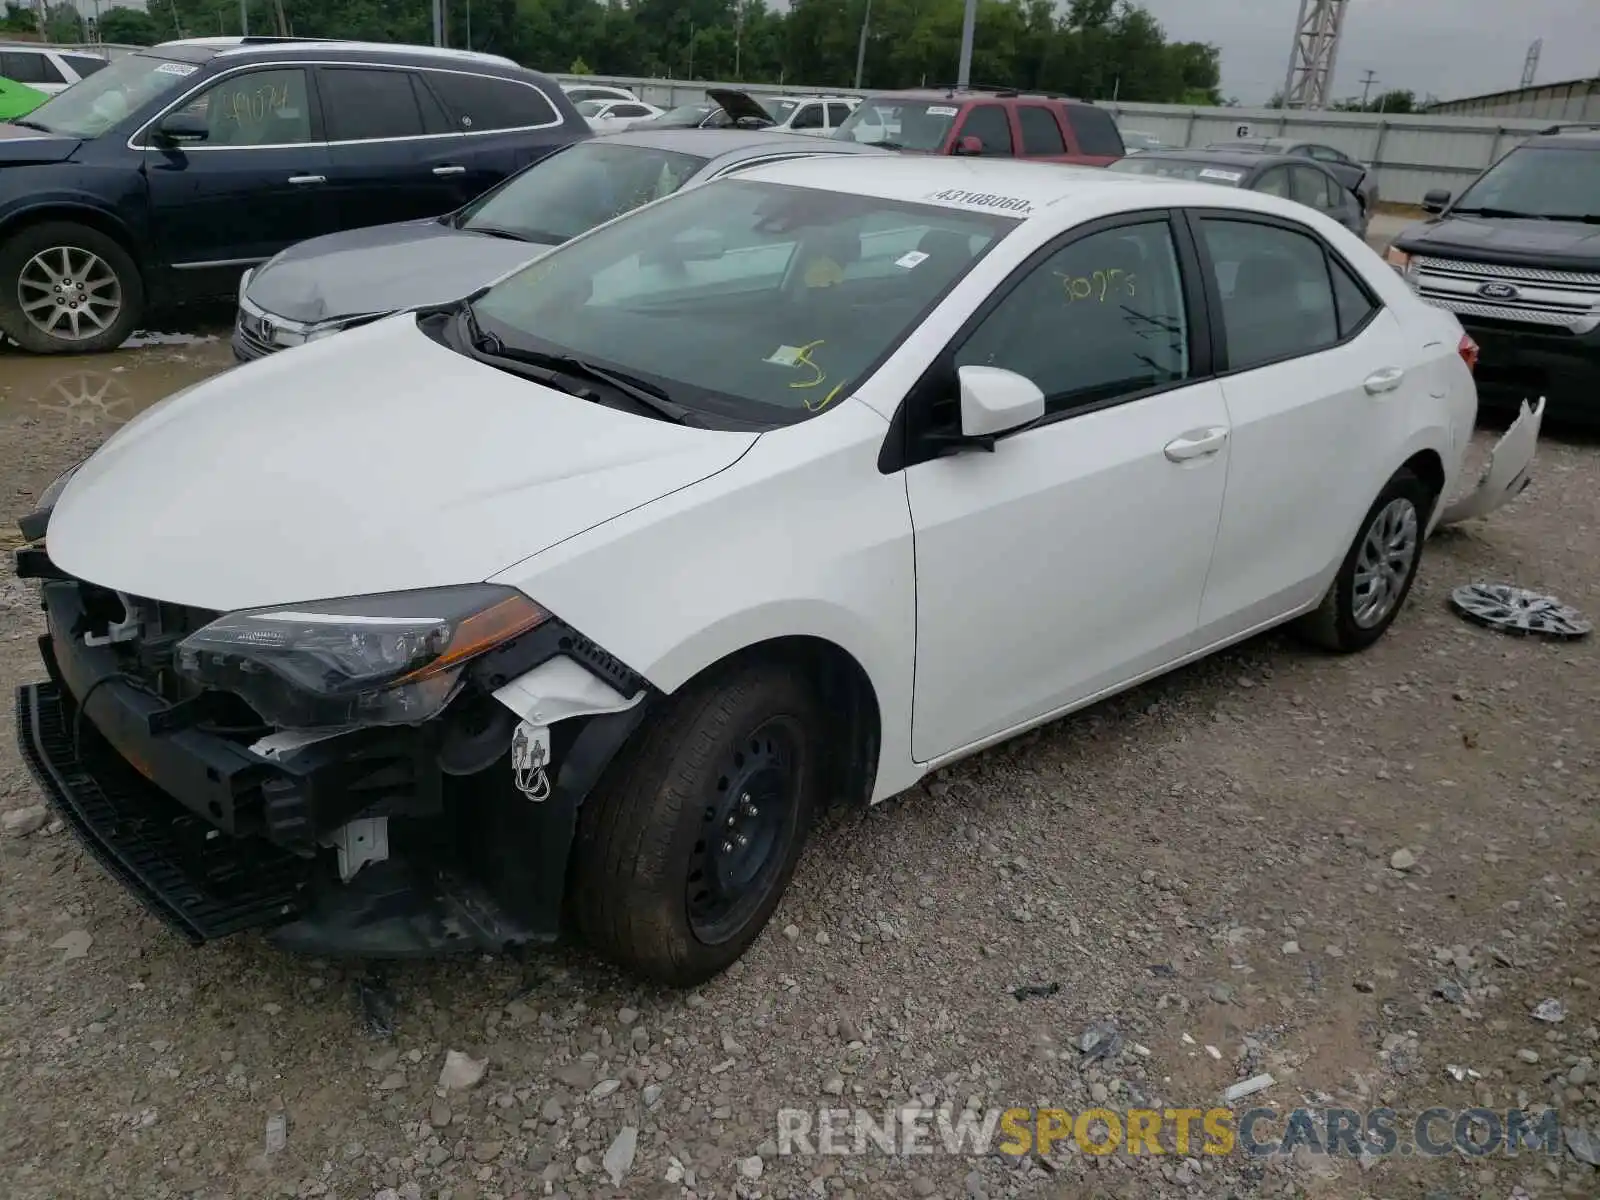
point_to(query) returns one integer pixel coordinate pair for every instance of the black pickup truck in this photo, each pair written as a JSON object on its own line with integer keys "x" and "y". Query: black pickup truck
{"x": 1517, "y": 258}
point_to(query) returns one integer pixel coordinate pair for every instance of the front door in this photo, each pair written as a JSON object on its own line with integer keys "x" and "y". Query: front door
{"x": 1073, "y": 558}
{"x": 1313, "y": 366}
{"x": 255, "y": 185}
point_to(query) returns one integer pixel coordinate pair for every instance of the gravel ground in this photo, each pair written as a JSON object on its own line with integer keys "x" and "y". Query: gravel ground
{"x": 1358, "y": 875}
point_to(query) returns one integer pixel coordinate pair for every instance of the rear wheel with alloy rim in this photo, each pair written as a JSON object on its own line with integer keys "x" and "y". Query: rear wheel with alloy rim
{"x": 685, "y": 846}
{"x": 1378, "y": 571}
{"x": 68, "y": 289}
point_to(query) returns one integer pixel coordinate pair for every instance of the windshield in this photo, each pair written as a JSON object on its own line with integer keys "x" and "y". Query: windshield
{"x": 685, "y": 116}
{"x": 754, "y": 300}
{"x": 1539, "y": 181}
{"x": 578, "y": 188}
{"x": 1179, "y": 168}
{"x": 910, "y": 125}
{"x": 91, "y": 106}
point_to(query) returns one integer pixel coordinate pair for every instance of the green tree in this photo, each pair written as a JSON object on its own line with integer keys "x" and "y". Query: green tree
{"x": 129, "y": 27}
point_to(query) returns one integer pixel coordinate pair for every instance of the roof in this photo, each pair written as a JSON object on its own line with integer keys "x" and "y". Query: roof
{"x": 238, "y": 45}
{"x": 1245, "y": 160}
{"x": 1590, "y": 82}
{"x": 1001, "y": 187}
{"x": 1580, "y": 136}
{"x": 721, "y": 143}
{"x": 935, "y": 95}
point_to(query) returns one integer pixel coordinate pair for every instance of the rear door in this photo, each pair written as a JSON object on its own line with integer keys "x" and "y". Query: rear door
{"x": 838, "y": 111}
{"x": 1099, "y": 141}
{"x": 508, "y": 123}
{"x": 391, "y": 153}
{"x": 1311, "y": 361}
{"x": 1319, "y": 190}
{"x": 256, "y": 185}
{"x": 1040, "y": 133}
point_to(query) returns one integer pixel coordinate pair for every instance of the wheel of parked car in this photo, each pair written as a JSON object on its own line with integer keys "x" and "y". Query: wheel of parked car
{"x": 686, "y": 845}
{"x": 68, "y": 289}
{"x": 1377, "y": 573}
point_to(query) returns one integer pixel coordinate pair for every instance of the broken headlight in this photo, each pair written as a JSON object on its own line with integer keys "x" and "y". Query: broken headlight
{"x": 392, "y": 659}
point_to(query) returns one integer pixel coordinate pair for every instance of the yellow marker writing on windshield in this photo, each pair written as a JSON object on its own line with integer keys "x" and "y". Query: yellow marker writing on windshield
{"x": 823, "y": 272}
{"x": 802, "y": 357}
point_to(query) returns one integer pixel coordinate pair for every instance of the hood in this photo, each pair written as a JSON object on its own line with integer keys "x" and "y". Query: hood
{"x": 19, "y": 146}
{"x": 1551, "y": 244}
{"x": 374, "y": 461}
{"x": 381, "y": 269}
{"x": 739, "y": 105}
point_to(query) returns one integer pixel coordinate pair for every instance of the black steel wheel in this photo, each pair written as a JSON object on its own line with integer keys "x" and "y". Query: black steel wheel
{"x": 686, "y": 845}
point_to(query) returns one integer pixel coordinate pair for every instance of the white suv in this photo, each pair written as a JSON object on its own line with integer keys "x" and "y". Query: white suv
{"x": 46, "y": 68}
{"x": 818, "y": 116}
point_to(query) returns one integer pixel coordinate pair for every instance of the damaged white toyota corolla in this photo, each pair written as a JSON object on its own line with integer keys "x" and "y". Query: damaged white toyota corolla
{"x": 570, "y": 604}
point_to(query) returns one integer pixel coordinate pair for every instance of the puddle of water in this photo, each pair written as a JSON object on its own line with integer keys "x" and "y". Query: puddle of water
{"x": 104, "y": 390}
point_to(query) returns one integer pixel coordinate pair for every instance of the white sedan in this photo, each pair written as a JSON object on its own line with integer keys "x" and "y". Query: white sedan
{"x": 611, "y": 116}
{"x": 572, "y": 604}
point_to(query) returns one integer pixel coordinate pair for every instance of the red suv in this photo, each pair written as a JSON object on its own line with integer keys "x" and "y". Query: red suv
{"x": 987, "y": 122}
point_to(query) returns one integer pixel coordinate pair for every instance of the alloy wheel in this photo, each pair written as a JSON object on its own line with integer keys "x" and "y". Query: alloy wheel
{"x": 69, "y": 293}
{"x": 1388, "y": 553}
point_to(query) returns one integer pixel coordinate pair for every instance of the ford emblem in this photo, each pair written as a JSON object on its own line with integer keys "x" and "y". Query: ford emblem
{"x": 1498, "y": 291}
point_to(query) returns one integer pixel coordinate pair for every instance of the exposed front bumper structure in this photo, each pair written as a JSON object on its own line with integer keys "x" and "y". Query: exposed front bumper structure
{"x": 169, "y": 792}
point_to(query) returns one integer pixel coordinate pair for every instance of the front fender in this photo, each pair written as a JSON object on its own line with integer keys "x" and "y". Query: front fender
{"x": 72, "y": 191}
{"x": 802, "y": 537}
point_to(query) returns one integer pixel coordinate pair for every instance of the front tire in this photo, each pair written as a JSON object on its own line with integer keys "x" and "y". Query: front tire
{"x": 66, "y": 288}
{"x": 1377, "y": 573}
{"x": 685, "y": 847}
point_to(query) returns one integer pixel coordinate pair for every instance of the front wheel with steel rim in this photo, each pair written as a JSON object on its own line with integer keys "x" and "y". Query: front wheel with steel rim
{"x": 688, "y": 841}
{"x": 66, "y": 288}
{"x": 1378, "y": 571}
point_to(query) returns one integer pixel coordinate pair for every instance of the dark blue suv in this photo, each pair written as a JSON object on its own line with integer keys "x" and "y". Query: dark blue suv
{"x": 159, "y": 179}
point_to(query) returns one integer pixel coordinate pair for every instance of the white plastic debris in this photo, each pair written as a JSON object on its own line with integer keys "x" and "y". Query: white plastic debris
{"x": 1214, "y": 1052}
{"x": 73, "y": 945}
{"x": 460, "y": 1072}
{"x": 277, "y": 1133}
{"x": 618, "y": 1158}
{"x": 1248, "y": 1087}
{"x": 1551, "y": 1011}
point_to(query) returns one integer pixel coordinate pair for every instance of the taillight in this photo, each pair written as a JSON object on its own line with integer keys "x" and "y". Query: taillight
{"x": 1469, "y": 352}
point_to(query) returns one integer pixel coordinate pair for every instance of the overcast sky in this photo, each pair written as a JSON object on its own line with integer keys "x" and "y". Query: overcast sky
{"x": 1452, "y": 48}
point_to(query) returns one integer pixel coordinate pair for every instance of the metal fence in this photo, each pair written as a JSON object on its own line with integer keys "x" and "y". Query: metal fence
{"x": 1412, "y": 154}
{"x": 1577, "y": 100}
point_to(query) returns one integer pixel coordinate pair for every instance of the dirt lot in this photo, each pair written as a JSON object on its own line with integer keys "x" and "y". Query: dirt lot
{"x": 1352, "y": 874}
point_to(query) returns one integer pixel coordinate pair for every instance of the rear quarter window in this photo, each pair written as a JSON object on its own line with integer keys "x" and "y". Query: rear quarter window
{"x": 1096, "y": 131}
{"x": 480, "y": 103}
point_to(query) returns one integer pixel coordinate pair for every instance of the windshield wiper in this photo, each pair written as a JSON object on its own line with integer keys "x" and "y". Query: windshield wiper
{"x": 495, "y": 231}
{"x": 1578, "y": 218}
{"x": 1508, "y": 213}
{"x": 27, "y": 124}
{"x": 561, "y": 370}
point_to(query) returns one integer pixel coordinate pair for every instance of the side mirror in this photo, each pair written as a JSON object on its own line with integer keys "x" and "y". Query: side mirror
{"x": 996, "y": 401}
{"x": 1436, "y": 201}
{"x": 183, "y": 128}
{"x": 969, "y": 145}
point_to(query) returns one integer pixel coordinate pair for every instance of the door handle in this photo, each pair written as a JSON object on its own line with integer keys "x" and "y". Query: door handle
{"x": 303, "y": 179}
{"x": 452, "y": 170}
{"x": 1385, "y": 380}
{"x": 1197, "y": 443}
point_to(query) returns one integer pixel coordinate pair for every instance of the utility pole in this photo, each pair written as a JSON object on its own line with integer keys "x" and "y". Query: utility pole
{"x": 738, "y": 35}
{"x": 861, "y": 46}
{"x": 1366, "y": 86}
{"x": 438, "y": 22}
{"x": 964, "y": 68}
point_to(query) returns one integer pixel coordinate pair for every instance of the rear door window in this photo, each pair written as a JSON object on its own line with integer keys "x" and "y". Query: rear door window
{"x": 84, "y": 64}
{"x": 836, "y": 114}
{"x": 362, "y": 104}
{"x": 1277, "y": 296}
{"x": 29, "y": 66}
{"x": 1275, "y": 183}
{"x": 1311, "y": 187}
{"x": 1097, "y": 132}
{"x": 990, "y": 125}
{"x": 481, "y": 103}
{"x": 1040, "y": 133}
